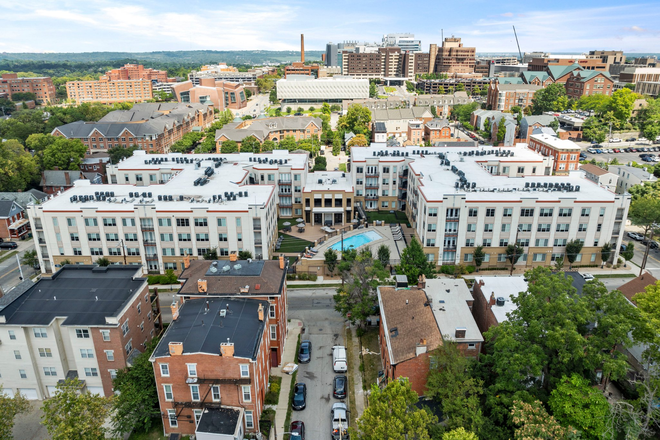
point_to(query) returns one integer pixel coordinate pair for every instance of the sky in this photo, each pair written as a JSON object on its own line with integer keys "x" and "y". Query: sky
{"x": 149, "y": 25}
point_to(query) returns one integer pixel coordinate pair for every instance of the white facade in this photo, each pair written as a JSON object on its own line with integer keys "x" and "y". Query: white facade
{"x": 304, "y": 88}
{"x": 630, "y": 176}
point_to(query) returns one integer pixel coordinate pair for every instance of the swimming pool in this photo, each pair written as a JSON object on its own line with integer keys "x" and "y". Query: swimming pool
{"x": 356, "y": 241}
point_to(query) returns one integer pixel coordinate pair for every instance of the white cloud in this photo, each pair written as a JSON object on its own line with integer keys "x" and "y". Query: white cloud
{"x": 507, "y": 14}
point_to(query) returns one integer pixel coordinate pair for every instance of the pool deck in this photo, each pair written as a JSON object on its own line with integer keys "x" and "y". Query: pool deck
{"x": 386, "y": 238}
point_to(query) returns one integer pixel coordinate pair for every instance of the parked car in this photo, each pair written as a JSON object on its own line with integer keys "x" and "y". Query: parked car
{"x": 647, "y": 159}
{"x": 599, "y": 151}
{"x": 339, "y": 387}
{"x": 615, "y": 140}
{"x": 616, "y": 150}
{"x": 339, "y": 363}
{"x": 587, "y": 276}
{"x": 631, "y": 139}
{"x": 627, "y": 150}
{"x": 305, "y": 353}
{"x": 299, "y": 401}
{"x": 635, "y": 236}
{"x": 339, "y": 421}
{"x": 8, "y": 245}
{"x": 297, "y": 430}
{"x": 633, "y": 150}
{"x": 591, "y": 150}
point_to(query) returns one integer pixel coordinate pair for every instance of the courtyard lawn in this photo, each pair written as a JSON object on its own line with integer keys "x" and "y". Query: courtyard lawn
{"x": 390, "y": 89}
{"x": 291, "y": 244}
{"x": 387, "y": 217}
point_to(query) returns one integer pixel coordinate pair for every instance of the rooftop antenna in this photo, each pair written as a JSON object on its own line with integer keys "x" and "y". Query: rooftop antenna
{"x": 517, "y": 43}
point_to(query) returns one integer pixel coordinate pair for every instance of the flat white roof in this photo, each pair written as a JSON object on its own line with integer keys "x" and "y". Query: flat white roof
{"x": 449, "y": 299}
{"x": 328, "y": 181}
{"x": 506, "y": 287}
{"x": 555, "y": 142}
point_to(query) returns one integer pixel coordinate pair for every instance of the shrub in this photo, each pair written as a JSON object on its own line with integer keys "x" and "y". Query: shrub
{"x": 291, "y": 276}
{"x": 312, "y": 277}
{"x": 470, "y": 269}
{"x": 448, "y": 269}
{"x": 275, "y": 388}
{"x": 302, "y": 276}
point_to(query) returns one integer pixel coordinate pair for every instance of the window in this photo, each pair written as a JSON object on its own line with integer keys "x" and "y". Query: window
{"x": 508, "y": 212}
{"x": 165, "y": 370}
{"x": 560, "y": 241}
{"x": 599, "y": 227}
{"x": 527, "y": 212}
{"x": 70, "y": 221}
{"x": 521, "y": 170}
{"x": 112, "y": 237}
{"x": 105, "y": 334}
{"x": 249, "y": 420}
{"x": 128, "y": 221}
{"x": 201, "y": 222}
{"x": 164, "y": 222}
{"x": 40, "y": 332}
{"x": 431, "y": 227}
{"x": 90, "y": 222}
{"x": 22, "y": 373}
{"x": 488, "y": 227}
{"x": 504, "y": 242}
{"x": 82, "y": 333}
{"x": 541, "y": 242}
{"x": 131, "y": 237}
{"x": 467, "y": 258}
{"x": 245, "y": 370}
{"x": 50, "y": 371}
{"x": 538, "y": 258}
{"x": 602, "y": 212}
{"x": 545, "y": 212}
{"x": 450, "y": 227}
{"x": 433, "y": 212}
{"x": 501, "y": 258}
{"x": 45, "y": 353}
{"x": 184, "y": 237}
{"x": 183, "y": 222}
{"x": 12, "y": 334}
{"x": 451, "y": 212}
{"x": 194, "y": 393}
{"x": 524, "y": 242}
{"x": 506, "y": 227}
{"x": 490, "y": 212}
{"x": 271, "y": 311}
{"x": 582, "y": 227}
{"x": 129, "y": 347}
{"x": 74, "y": 236}
{"x": 202, "y": 237}
{"x": 565, "y": 212}
{"x": 215, "y": 393}
{"x": 124, "y": 328}
{"x": 487, "y": 242}
{"x": 166, "y": 237}
{"x": 113, "y": 374}
{"x": 472, "y": 227}
{"x": 273, "y": 332}
{"x": 469, "y": 242}
{"x": 593, "y": 256}
{"x": 472, "y": 346}
{"x": 544, "y": 227}
{"x": 430, "y": 242}
{"x": 94, "y": 237}
{"x": 563, "y": 227}
{"x": 247, "y": 395}
{"x": 86, "y": 353}
{"x": 473, "y": 212}
{"x": 192, "y": 370}
{"x": 171, "y": 416}
{"x": 109, "y": 222}
{"x": 585, "y": 212}
{"x": 525, "y": 227}
{"x": 222, "y": 222}
{"x": 91, "y": 372}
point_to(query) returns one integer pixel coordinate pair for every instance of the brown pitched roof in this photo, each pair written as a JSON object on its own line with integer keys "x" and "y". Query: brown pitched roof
{"x": 407, "y": 321}
{"x": 637, "y": 285}
{"x": 264, "y": 274}
{"x": 593, "y": 169}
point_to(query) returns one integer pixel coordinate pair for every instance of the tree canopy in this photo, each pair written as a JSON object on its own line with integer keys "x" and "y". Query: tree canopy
{"x": 66, "y": 154}
{"x": 356, "y": 120}
{"x": 229, "y": 147}
{"x": 551, "y": 98}
{"x": 414, "y": 262}
{"x": 10, "y": 407}
{"x": 18, "y": 168}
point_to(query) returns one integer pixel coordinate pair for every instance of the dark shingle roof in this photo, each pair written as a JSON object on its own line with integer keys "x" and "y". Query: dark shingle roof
{"x": 637, "y": 285}
{"x": 57, "y": 177}
{"x": 6, "y": 207}
{"x": 219, "y": 421}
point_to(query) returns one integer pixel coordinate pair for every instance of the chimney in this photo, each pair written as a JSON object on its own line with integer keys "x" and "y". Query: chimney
{"x": 491, "y": 301}
{"x": 67, "y": 178}
{"x": 421, "y": 283}
{"x": 261, "y": 312}
{"x": 233, "y": 256}
{"x": 421, "y": 347}
{"x": 202, "y": 286}
{"x": 186, "y": 261}
{"x": 176, "y": 348}
{"x": 282, "y": 261}
{"x": 302, "y": 48}
{"x": 460, "y": 332}
{"x": 227, "y": 349}
{"x": 175, "y": 310}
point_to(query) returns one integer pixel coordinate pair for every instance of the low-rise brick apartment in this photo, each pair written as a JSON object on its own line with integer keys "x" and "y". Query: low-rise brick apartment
{"x": 274, "y": 129}
{"x": 108, "y": 91}
{"x": 152, "y": 127}
{"x": 503, "y": 97}
{"x": 212, "y": 366}
{"x": 137, "y": 71}
{"x": 221, "y": 94}
{"x": 588, "y": 82}
{"x": 566, "y": 154}
{"x": 84, "y": 322}
{"x": 263, "y": 280}
{"x": 42, "y": 87}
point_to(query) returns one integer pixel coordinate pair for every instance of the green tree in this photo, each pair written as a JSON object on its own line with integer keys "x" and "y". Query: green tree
{"x": 573, "y": 249}
{"x": 325, "y": 108}
{"x": 592, "y": 129}
{"x": 459, "y": 434}
{"x": 72, "y": 414}
{"x": 229, "y": 147}
{"x": 576, "y": 403}
{"x": 6, "y": 107}
{"x": 103, "y": 262}
{"x": 335, "y": 107}
{"x": 629, "y": 253}
{"x": 320, "y": 163}
{"x": 501, "y": 131}
{"x": 288, "y": 110}
{"x": 414, "y": 262}
{"x": 300, "y": 110}
{"x": 357, "y": 298}
{"x": 648, "y": 303}
{"x": 244, "y": 255}
{"x": 392, "y": 415}
{"x": 554, "y": 125}
{"x": 21, "y": 125}
{"x": 384, "y": 255}
{"x": 551, "y": 98}
{"x": 645, "y": 212}
{"x": 18, "y": 168}
{"x": 450, "y": 383}
{"x": 535, "y": 423}
{"x": 38, "y": 142}
{"x": 30, "y": 258}
{"x": 559, "y": 264}
{"x": 356, "y": 120}
{"x": 460, "y": 87}
{"x": 649, "y": 119}
{"x": 622, "y": 103}
{"x": 410, "y": 87}
{"x": 605, "y": 252}
{"x": 118, "y": 153}
{"x": 598, "y": 103}
{"x": 278, "y": 112}
{"x": 373, "y": 90}
{"x": 135, "y": 407}
{"x": 250, "y": 144}
{"x": 478, "y": 256}
{"x": 336, "y": 145}
{"x": 513, "y": 254}
{"x": 66, "y": 154}
{"x": 272, "y": 97}
{"x": 10, "y": 407}
{"x": 268, "y": 145}
{"x": 359, "y": 140}
{"x": 462, "y": 112}
{"x": 212, "y": 254}
{"x": 330, "y": 259}
{"x": 288, "y": 143}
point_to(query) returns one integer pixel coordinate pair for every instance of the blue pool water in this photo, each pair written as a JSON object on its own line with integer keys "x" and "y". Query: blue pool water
{"x": 356, "y": 241}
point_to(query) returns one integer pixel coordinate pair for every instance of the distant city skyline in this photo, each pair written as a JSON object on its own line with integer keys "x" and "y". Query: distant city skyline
{"x": 101, "y": 25}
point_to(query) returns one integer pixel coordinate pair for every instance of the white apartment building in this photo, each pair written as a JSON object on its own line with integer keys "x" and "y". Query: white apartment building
{"x": 85, "y": 322}
{"x": 459, "y": 198}
{"x": 159, "y": 208}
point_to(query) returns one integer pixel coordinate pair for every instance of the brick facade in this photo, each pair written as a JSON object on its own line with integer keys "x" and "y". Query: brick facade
{"x": 42, "y": 87}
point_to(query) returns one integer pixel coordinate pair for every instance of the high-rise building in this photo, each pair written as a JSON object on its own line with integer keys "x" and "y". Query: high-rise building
{"x": 107, "y": 91}
{"x": 42, "y": 87}
{"x": 452, "y": 57}
{"x": 137, "y": 71}
{"x": 331, "y": 55}
{"x": 607, "y": 56}
{"x": 406, "y": 42}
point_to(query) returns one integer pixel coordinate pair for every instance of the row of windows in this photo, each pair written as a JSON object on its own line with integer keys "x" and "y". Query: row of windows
{"x": 172, "y": 416}
{"x": 523, "y": 227}
{"x": 192, "y": 370}
{"x": 130, "y": 222}
{"x": 536, "y": 257}
{"x": 524, "y": 242}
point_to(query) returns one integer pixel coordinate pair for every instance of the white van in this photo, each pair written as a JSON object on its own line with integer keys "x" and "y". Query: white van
{"x": 339, "y": 364}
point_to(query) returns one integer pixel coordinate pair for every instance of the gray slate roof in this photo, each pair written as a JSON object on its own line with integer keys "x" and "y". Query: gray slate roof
{"x": 437, "y": 123}
{"x": 24, "y": 198}
{"x": 6, "y": 208}
{"x": 400, "y": 114}
{"x": 57, "y": 177}
{"x": 260, "y": 128}
{"x": 538, "y": 119}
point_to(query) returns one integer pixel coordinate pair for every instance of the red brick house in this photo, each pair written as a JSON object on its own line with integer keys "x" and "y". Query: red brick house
{"x": 13, "y": 222}
{"x": 212, "y": 365}
{"x": 263, "y": 280}
{"x": 437, "y": 130}
{"x": 589, "y": 82}
{"x": 492, "y": 299}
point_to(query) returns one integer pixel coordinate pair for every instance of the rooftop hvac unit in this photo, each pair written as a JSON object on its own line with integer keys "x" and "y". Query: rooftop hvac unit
{"x": 500, "y": 301}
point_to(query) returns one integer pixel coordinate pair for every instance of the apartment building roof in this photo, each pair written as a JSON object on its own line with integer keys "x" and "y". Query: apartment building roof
{"x": 586, "y": 75}
{"x": 639, "y": 173}
{"x": 201, "y": 328}
{"x": 529, "y": 76}
{"x": 449, "y": 302}
{"x": 511, "y": 80}
{"x": 439, "y": 181}
{"x": 7, "y": 206}
{"x": 328, "y": 181}
{"x": 223, "y": 421}
{"x": 407, "y": 321}
{"x": 637, "y": 285}
{"x": 84, "y": 295}
{"x": 401, "y": 114}
{"x": 261, "y": 128}
{"x": 557, "y": 72}
{"x": 538, "y": 119}
{"x": 240, "y": 278}
{"x": 502, "y": 287}
{"x": 518, "y": 87}
{"x": 60, "y": 177}
{"x": 595, "y": 170}
{"x": 436, "y": 124}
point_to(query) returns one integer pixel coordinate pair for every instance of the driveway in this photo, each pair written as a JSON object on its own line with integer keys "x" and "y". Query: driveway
{"x": 325, "y": 328}
{"x": 28, "y": 426}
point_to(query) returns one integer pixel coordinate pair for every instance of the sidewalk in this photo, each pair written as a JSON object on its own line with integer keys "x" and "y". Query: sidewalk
{"x": 289, "y": 355}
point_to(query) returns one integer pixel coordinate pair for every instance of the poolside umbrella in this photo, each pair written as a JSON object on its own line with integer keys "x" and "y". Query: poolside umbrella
{"x": 301, "y": 225}
{"x": 300, "y": 220}
{"x": 355, "y": 220}
{"x": 286, "y": 224}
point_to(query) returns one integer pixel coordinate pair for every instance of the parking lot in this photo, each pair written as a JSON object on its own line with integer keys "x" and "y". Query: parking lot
{"x": 325, "y": 328}
{"x": 608, "y": 152}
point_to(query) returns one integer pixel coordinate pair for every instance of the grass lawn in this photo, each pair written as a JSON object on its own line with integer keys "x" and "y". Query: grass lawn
{"x": 390, "y": 89}
{"x": 387, "y": 217}
{"x": 371, "y": 362}
{"x": 273, "y": 397}
{"x": 292, "y": 244}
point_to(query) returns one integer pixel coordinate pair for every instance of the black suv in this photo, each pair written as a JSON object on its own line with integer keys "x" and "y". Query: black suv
{"x": 339, "y": 387}
{"x": 299, "y": 400}
{"x": 8, "y": 245}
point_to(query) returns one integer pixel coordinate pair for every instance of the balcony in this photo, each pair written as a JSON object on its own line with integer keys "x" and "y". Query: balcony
{"x": 152, "y": 257}
{"x": 42, "y": 241}
{"x": 257, "y": 241}
{"x": 403, "y": 185}
{"x": 147, "y": 228}
{"x": 285, "y": 203}
{"x": 371, "y": 197}
{"x": 256, "y": 226}
{"x": 402, "y": 196}
{"x": 371, "y": 186}
{"x": 38, "y": 225}
{"x": 284, "y": 182}
{"x": 371, "y": 174}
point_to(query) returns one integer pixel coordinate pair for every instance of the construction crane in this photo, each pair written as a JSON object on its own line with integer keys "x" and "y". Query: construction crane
{"x": 519, "y": 52}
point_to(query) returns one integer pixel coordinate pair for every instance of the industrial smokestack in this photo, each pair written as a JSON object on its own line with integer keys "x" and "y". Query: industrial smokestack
{"x": 302, "y": 48}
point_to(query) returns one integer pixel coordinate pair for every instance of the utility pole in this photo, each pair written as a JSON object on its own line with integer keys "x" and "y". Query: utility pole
{"x": 123, "y": 251}
{"x": 19, "y": 267}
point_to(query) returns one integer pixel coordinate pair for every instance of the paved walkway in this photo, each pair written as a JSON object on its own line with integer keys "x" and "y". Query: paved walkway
{"x": 289, "y": 355}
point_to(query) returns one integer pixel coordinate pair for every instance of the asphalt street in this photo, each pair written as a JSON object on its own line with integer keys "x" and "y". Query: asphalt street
{"x": 324, "y": 327}
{"x": 9, "y": 273}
